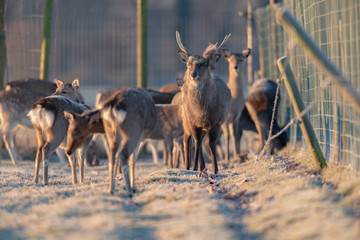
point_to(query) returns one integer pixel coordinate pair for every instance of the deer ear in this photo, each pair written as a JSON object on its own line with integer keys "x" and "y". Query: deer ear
{"x": 226, "y": 53}
{"x": 184, "y": 57}
{"x": 58, "y": 82}
{"x": 180, "y": 82}
{"x": 75, "y": 83}
{"x": 246, "y": 52}
{"x": 69, "y": 115}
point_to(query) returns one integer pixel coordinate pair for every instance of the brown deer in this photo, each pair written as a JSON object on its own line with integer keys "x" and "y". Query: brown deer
{"x": 15, "y": 102}
{"x": 237, "y": 82}
{"x": 158, "y": 97}
{"x": 168, "y": 126}
{"x": 206, "y": 101}
{"x": 47, "y": 117}
{"x": 128, "y": 117}
{"x": 259, "y": 106}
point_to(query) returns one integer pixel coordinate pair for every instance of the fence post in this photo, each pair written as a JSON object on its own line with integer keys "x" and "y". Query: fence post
{"x": 249, "y": 43}
{"x": 312, "y": 50}
{"x": 2, "y": 42}
{"x": 45, "y": 47}
{"x": 141, "y": 43}
{"x": 299, "y": 106}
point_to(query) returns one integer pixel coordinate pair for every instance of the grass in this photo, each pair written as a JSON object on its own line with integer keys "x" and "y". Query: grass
{"x": 281, "y": 197}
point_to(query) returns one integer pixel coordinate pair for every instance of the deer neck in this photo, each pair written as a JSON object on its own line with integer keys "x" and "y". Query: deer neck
{"x": 236, "y": 83}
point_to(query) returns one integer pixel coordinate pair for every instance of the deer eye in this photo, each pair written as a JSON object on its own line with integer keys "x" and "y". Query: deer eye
{"x": 64, "y": 92}
{"x": 205, "y": 65}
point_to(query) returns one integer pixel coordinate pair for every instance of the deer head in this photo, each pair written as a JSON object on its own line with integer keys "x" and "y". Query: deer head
{"x": 236, "y": 60}
{"x": 199, "y": 67}
{"x": 80, "y": 126}
{"x": 69, "y": 90}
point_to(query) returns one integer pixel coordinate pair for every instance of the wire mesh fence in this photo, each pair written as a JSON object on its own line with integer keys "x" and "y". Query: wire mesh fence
{"x": 334, "y": 25}
{"x": 100, "y": 48}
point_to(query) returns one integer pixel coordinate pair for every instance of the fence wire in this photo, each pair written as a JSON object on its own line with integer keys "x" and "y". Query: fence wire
{"x": 334, "y": 24}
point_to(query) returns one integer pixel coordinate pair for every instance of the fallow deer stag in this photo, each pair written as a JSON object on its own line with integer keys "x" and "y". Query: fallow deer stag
{"x": 47, "y": 117}
{"x": 206, "y": 100}
{"x": 237, "y": 82}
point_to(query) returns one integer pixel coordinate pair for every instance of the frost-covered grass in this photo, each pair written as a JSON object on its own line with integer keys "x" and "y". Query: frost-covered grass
{"x": 274, "y": 198}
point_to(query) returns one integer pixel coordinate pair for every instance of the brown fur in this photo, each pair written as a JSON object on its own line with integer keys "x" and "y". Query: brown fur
{"x": 237, "y": 82}
{"x": 205, "y": 102}
{"x": 124, "y": 135}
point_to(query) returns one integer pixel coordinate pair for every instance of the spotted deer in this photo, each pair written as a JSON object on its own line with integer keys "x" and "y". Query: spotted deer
{"x": 237, "y": 82}
{"x": 47, "y": 118}
{"x": 206, "y": 100}
{"x": 16, "y": 101}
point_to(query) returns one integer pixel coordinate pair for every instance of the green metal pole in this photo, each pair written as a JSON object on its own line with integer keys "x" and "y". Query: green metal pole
{"x": 312, "y": 50}
{"x": 2, "y": 42}
{"x": 299, "y": 106}
{"x": 45, "y": 47}
{"x": 142, "y": 43}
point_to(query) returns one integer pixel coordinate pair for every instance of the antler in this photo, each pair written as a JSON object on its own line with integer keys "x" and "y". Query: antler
{"x": 226, "y": 39}
{"x": 181, "y": 46}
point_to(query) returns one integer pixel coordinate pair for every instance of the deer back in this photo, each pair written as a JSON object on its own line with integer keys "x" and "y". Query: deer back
{"x": 36, "y": 85}
{"x": 131, "y": 110}
{"x": 46, "y": 111}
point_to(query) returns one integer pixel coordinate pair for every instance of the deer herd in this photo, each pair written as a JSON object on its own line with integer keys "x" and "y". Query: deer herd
{"x": 200, "y": 107}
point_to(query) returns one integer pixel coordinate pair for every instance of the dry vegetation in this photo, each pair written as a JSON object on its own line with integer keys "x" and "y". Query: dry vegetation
{"x": 280, "y": 197}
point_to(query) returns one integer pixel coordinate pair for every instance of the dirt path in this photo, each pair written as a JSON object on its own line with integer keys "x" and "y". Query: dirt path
{"x": 273, "y": 198}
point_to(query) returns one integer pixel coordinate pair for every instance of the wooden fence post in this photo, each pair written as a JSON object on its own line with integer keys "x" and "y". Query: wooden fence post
{"x": 45, "y": 47}
{"x": 2, "y": 43}
{"x": 141, "y": 43}
{"x": 299, "y": 106}
{"x": 312, "y": 50}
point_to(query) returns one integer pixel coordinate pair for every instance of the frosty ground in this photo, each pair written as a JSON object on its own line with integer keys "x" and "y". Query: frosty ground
{"x": 280, "y": 197}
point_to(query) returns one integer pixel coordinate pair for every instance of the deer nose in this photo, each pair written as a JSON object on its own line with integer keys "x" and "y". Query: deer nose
{"x": 68, "y": 152}
{"x": 236, "y": 68}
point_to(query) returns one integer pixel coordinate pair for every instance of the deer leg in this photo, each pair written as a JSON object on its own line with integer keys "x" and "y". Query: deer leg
{"x": 213, "y": 137}
{"x": 186, "y": 150}
{"x": 81, "y": 158}
{"x": 234, "y": 138}
{"x": 254, "y": 117}
{"x": 201, "y": 159}
{"x": 169, "y": 148}
{"x": 165, "y": 155}
{"x": 197, "y": 143}
{"x": 225, "y": 130}
{"x": 132, "y": 171}
{"x": 62, "y": 157}
{"x": 154, "y": 152}
{"x": 4, "y": 129}
{"x": 10, "y": 144}
{"x": 39, "y": 153}
{"x": 48, "y": 149}
{"x": 219, "y": 149}
{"x": 112, "y": 168}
